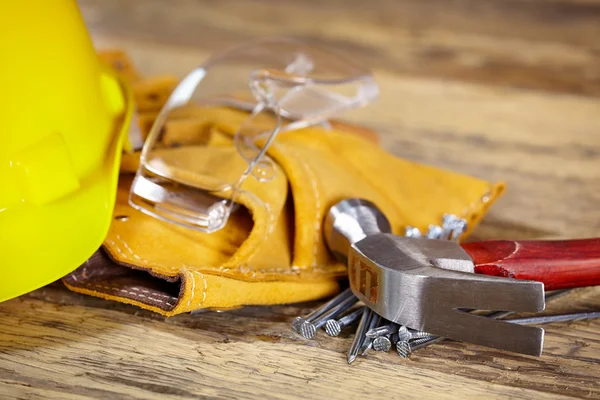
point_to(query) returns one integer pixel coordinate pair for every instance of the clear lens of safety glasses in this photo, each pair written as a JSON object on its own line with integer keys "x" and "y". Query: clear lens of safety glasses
{"x": 191, "y": 171}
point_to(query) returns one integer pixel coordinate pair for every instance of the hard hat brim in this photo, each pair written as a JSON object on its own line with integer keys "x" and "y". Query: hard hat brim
{"x": 73, "y": 227}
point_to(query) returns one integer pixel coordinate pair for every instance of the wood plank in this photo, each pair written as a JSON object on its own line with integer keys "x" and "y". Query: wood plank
{"x": 550, "y": 45}
{"x": 503, "y": 89}
{"x": 245, "y": 356}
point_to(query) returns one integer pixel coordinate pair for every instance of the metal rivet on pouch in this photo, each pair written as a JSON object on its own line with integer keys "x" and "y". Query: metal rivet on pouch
{"x": 434, "y": 232}
{"x": 411, "y": 231}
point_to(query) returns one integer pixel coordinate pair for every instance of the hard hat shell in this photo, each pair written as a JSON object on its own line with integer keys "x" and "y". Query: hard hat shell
{"x": 63, "y": 119}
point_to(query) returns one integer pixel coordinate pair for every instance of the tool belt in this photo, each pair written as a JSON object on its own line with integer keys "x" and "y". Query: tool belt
{"x": 272, "y": 250}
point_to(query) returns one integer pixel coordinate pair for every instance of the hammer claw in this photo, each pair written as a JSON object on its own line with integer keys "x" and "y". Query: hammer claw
{"x": 391, "y": 276}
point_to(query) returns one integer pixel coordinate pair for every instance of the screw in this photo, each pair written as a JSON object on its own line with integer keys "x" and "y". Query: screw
{"x": 334, "y": 327}
{"x": 308, "y": 329}
{"x": 298, "y": 321}
{"x": 382, "y": 330}
{"x": 405, "y": 334}
{"x": 382, "y": 343}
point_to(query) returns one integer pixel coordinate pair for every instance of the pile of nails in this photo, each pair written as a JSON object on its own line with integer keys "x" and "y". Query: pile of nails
{"x": 374, "y": 332}
{"x": 379, "y": 334}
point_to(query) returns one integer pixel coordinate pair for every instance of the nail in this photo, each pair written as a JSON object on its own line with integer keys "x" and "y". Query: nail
{"x": 334, "y": 327}
{"x": 363, "y": 326}
{"x": 368, "y": 342}
{"x": 382, "y": 330}
{"x": 382, "y": 343}
{"x": 546, "y": 319}
{"x": 308, "y": 329}
{"x": 298, "y": 321}
{"x": 403, "y": 349}
{"x": 421, "y": 343}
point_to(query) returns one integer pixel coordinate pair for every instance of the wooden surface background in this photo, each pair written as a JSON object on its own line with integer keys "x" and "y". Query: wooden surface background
{"x": 500, "y": 89}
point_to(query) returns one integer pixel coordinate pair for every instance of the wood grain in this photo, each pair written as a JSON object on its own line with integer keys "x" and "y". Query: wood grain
{"x": 51, "y": 344}
{"x": 502, "y": 89}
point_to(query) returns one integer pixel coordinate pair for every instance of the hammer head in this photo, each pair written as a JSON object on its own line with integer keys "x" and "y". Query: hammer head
{"x": 427, "y": 284}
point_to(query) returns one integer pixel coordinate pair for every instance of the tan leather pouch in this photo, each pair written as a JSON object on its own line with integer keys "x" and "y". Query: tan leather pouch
{"x": 272, "y": 250}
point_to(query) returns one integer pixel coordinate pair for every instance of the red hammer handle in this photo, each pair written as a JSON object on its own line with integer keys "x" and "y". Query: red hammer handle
{"x": 558, "y": 264}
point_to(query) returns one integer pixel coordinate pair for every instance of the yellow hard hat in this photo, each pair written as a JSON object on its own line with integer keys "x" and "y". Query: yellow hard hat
{"x": 63, "y": 117}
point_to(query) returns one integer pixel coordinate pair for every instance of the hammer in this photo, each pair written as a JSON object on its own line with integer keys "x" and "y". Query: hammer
{"x": 430, "y": 285}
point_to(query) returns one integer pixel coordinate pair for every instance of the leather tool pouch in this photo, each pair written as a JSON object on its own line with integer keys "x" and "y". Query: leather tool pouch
{"x": 272, "y": 250}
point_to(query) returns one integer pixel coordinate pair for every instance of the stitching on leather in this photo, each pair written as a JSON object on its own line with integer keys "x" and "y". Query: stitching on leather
{"x": 95, "y": 273}
{"x": 294, "y": 269}
{"x": 191, "y": 276}
{"x": 313, "y": 182}
{"x": 269, "y": 211}
{"x": 271, "y": 219}
{"x": 316, "y": 268}
{"x": 205, "y": 286}
{"x": 285, "y": 271}
{"x": 150, "y": 292}
{"x": 116, "y": 246}
{"x": 134, "y": 294}
{"x": 130, "y": 250}
{"x": 121, "y": 241}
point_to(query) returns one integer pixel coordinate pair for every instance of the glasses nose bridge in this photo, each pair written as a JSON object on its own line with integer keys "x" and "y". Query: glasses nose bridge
{"x": 313, "y": 100}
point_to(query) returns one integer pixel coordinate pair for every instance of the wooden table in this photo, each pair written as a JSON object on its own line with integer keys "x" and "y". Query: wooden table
{"x": 500, "y": 89}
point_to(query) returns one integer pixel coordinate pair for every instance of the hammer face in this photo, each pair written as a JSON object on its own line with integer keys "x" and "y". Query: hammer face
{"x": 398, "y": 278}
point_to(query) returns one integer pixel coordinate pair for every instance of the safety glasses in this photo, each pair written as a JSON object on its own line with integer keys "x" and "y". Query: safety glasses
{"x": 190, "y": 177}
